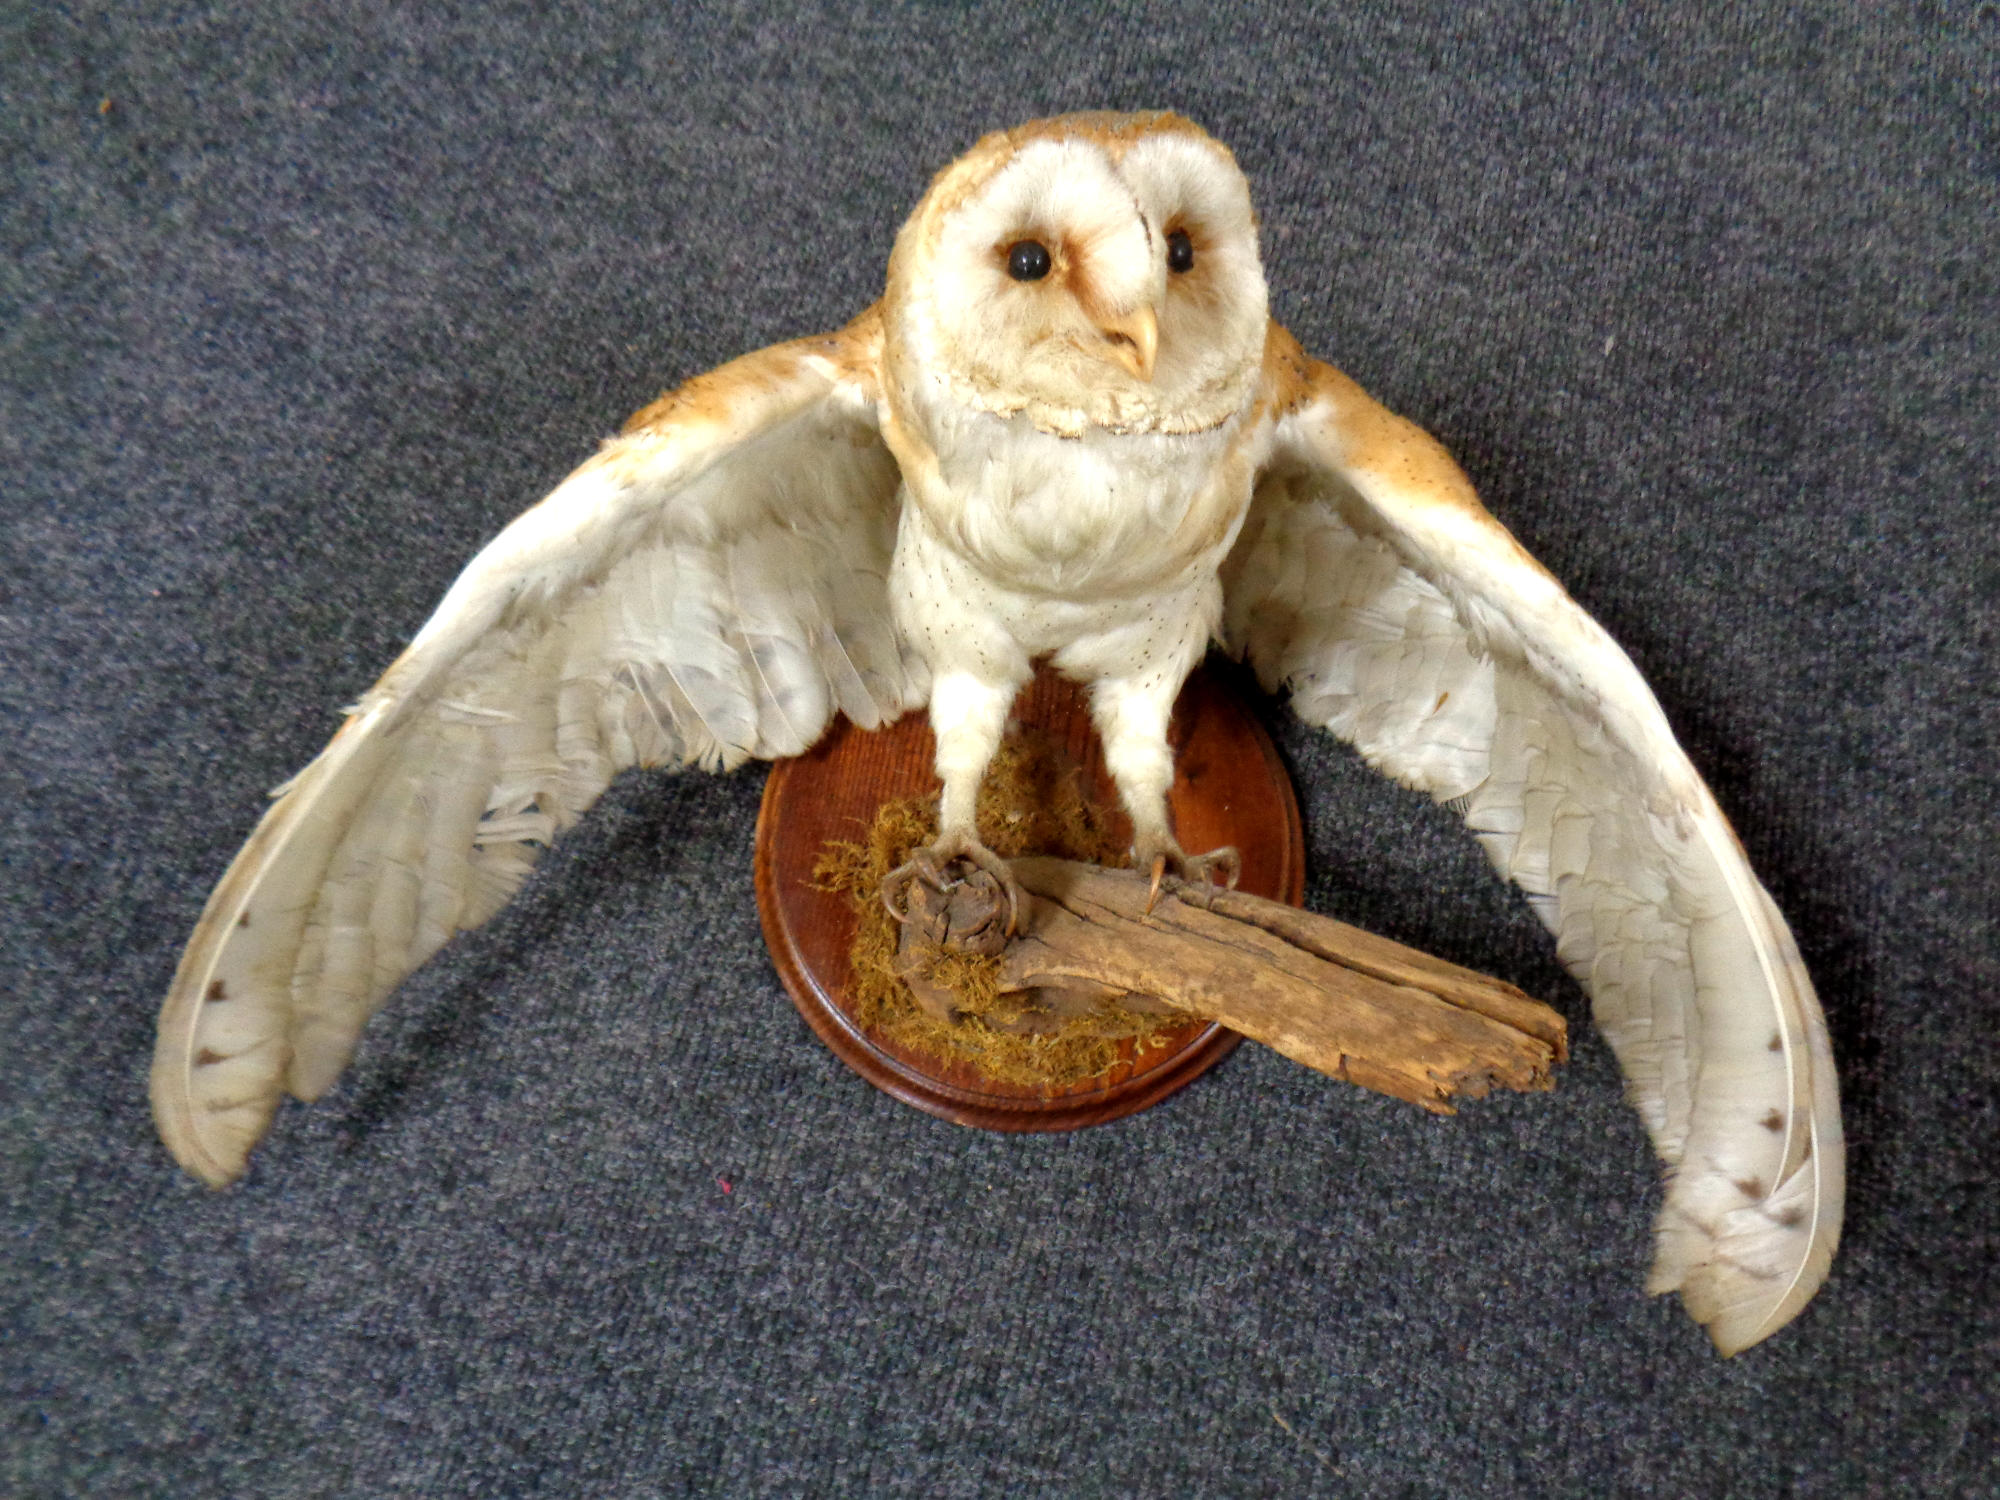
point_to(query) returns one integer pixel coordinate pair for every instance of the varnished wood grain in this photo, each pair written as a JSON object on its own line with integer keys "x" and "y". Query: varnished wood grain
{"x": 1229, "y": 788}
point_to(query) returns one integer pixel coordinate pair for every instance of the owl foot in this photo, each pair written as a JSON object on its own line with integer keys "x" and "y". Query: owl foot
{"x": 1189, "y": 871}
{"x": 930, "y": 867}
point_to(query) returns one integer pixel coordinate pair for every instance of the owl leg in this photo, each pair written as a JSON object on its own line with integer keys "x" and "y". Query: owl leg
{"x": 968, "y": 716}
{"x": 1131, "y": 716}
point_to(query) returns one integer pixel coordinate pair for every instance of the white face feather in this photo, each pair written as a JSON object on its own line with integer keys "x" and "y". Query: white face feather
{"x": 1213, "y": 316}
{"x": 1061, "y": 350}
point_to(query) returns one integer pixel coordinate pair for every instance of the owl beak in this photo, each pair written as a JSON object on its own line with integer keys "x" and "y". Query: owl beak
{"x": 1134, "y": 339}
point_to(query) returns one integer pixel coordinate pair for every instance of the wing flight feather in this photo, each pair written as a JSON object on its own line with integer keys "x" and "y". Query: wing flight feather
{"x": 711, "y": 586}
{"x": 1369, "y": 581}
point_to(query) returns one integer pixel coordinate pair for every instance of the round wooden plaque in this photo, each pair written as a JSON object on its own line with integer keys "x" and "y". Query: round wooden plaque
{"x": 1229, "y": 788}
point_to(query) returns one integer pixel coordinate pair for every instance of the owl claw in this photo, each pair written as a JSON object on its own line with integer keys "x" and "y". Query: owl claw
{"x": 930, "y": 865}
{"x": 896, "y": 885}
{"x": 1188, "y": 869}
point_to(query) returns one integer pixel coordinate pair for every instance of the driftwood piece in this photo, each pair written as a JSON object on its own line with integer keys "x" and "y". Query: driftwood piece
{"x": 1336, "y": 998}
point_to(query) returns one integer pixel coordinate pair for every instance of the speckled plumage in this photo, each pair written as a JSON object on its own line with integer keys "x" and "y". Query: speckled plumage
{"x": 1108, "y": 466}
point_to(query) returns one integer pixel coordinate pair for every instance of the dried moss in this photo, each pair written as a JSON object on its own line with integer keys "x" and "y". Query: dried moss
{"x": 1030, "y": 803}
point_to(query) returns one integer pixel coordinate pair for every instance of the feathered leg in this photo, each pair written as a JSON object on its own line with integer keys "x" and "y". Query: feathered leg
{"x": 1131, "y": 714}
{"x": 968, "y": 716}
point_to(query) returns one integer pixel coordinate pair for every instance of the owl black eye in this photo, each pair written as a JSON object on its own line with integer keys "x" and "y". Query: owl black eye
{"x": 1028, "y": 260}
{"x": 1180, "y": 251}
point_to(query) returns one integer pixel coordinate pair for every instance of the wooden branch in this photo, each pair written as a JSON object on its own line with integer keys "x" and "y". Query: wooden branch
{"x": 1338, "y": 999}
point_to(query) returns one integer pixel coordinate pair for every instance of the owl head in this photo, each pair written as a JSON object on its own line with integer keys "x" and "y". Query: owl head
{"x": 1087, "y": 271}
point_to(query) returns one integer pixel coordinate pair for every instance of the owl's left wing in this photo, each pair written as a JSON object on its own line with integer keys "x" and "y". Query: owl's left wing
{"x": 1370, "y": 582}
{"x": 711, "y": 586}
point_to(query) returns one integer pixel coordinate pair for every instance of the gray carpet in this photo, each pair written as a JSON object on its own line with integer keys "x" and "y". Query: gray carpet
{"x": 300, "y": 307}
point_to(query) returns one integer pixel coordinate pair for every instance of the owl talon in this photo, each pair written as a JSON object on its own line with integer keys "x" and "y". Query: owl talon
{"x": 931, "y": 866}
{"x": 1189, "y": 869}
{"x": 1225, "y": 859}
{"x": 921, "y": 866}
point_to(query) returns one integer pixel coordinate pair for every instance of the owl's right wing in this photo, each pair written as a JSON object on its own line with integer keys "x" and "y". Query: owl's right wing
{"x": 1370, "y": 582}
{"x": 710, "y": 587}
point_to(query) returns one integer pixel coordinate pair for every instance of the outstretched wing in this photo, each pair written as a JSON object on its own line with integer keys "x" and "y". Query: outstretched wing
{"x": 1370, "y": 582}
{"x": 711, "y": 586}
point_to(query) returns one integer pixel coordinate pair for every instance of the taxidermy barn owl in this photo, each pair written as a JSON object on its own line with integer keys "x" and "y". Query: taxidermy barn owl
{"x": 1069, "y": 430}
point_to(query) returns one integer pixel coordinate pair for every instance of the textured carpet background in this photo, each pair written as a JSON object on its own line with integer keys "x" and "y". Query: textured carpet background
{"x": 301, "y": 305}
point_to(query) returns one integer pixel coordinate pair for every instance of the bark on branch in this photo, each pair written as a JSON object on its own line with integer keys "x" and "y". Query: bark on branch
{"x": 1338, "y": 999}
